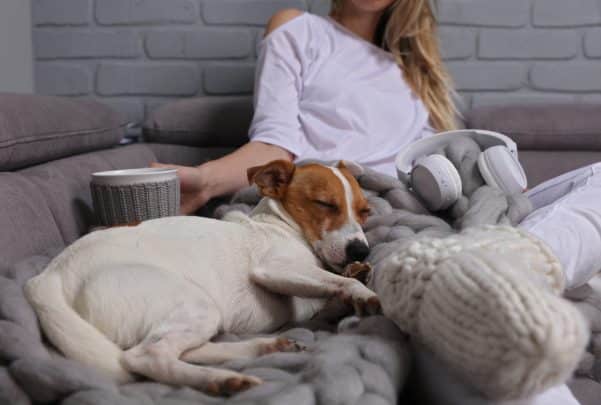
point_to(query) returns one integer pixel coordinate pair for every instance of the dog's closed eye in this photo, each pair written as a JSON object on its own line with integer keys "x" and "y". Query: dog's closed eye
{"x": 325, "y": 204}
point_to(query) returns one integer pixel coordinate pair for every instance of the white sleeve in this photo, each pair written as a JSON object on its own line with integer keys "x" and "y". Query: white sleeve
{"x": 427, "y": 132}
{"x": 281, "y": 64}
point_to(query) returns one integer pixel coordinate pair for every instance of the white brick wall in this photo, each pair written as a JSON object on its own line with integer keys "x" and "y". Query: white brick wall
{"x": 137, "y": 54}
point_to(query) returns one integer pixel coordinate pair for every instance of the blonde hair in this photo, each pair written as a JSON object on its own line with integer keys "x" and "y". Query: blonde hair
{"x": 407, "y": 29}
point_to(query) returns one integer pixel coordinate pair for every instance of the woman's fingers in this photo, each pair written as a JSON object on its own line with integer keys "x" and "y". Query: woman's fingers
{"x": 165, "y": 165}
{"x": 191, "y": 184}
{"x": 188, "y": 175}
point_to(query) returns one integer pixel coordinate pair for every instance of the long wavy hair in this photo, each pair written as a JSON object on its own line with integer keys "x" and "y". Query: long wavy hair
{"x": 408, "y": 30}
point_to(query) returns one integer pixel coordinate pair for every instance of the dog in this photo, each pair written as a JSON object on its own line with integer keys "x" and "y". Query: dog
{"x": 146, "y": 300}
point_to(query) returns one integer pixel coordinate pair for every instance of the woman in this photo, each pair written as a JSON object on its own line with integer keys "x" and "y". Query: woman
{"x": 322, "y": 86}
{"x": 361, "y": 84}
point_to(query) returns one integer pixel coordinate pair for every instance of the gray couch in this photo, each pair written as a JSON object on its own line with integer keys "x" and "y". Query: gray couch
{"x": 50, "y": 146}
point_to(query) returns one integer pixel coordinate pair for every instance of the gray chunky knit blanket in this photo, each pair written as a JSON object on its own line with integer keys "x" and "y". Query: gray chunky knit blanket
{"x": 348, "y": 361}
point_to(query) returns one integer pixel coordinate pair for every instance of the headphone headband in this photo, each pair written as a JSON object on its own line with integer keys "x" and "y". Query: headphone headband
{"x": 405, "y": 159}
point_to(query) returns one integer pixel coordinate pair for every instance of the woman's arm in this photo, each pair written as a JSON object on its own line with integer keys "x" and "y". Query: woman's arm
{"x": 275, "y": 131}
{"x": 222, "y": 176}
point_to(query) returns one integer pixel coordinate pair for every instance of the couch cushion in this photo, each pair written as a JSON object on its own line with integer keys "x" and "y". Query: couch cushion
{"x": 27, "y": 223}
{"x": 65, "y": 184}
{"x": 49, "y": 205}
{"x": 543, "y": 126}
{"x": 541, "y": 165}
{"x": 207, "y": 122}
{"x": 36, "y": 129}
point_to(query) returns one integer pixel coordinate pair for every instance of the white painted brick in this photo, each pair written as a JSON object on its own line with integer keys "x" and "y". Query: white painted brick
{"x": 229, "y": 79}
{"x": 487, "y": 75}
{"x": 146, "y": 11}
{"x": 202, "y": 43}
{"x": 62, "y": 79}
{"x": 77, "y": 43}
{"x": 133, "y": 110}
{"x": 577, "y": 76}
{"x": 592, "y": 43}
{"x": 566, "y": 13}
{"x": 457, "y": 43}
{"x": 480, "y": 100}
{"x": 320, "y": 7}
{"x": 463, "y": 102}
{"x": 147, "y": 79}
{"x": 492, "y": 13}
{"x": 259, "y": 38}
{"x": 255, "y": 12}
{"x": 152, "y": 104}
{"x": 528, "y": 44}
{"x": 61, "y": 12}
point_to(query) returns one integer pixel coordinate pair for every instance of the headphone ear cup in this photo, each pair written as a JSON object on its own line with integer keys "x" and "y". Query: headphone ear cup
{"x": 501, "y": 169}
{"x": 436, "y": 181}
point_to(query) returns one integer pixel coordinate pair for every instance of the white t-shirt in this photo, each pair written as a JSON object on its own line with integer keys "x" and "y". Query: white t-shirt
{"x": 323, "y": 92}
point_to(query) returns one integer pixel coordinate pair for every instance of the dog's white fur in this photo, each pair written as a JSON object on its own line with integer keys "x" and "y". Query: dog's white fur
{"x": 148, "y": 299}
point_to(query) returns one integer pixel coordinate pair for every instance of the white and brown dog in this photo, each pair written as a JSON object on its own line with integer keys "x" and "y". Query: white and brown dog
{"x": 147, "y": 299}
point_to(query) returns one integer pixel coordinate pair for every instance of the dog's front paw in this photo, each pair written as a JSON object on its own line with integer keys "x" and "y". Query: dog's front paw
{"x": 282, "y": 345}
{"x": 363, "y": 300}
{"x": 358, "y": 270}
{"x": 232, "y": 385}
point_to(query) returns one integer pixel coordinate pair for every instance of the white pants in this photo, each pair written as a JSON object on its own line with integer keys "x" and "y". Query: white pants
{"x": 567, "y": 217}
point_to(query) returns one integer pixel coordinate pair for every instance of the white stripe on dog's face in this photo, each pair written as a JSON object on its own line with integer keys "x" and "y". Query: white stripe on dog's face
{"x": 352, "y": 227}
{"x": 328, "y": 205}
{"x": 333, "y": 244}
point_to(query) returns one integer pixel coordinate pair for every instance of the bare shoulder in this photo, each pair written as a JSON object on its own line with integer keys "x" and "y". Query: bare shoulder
{"x": 282, "y": 17}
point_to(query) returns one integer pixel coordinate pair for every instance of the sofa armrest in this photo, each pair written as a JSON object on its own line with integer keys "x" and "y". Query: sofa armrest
{"x": 205, "y": 122}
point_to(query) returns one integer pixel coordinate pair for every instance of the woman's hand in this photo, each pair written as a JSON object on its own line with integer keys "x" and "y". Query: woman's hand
{"x": 193, "y": 185}
{"x": 222, "y": 176}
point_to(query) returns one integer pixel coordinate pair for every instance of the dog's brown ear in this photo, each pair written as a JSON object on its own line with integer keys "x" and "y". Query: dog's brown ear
{"x": 272, "y": 178}
{"x": 354, "y": 168}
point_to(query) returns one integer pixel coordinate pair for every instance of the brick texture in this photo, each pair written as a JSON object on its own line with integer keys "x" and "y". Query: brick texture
{"x": 138, "y": 54}
{"x": 228, "y": 79}
{"x": 488, "y": 76}
{"x": 61, "y": 12}
{"x": 145, "y": 11}
{"x": 78, "y": 43}
{"x": 140, "y": 79}
{"x": 202, "y": 43}
{"x": 62, "y": 79}
{"x": 489, "y": 13}
{"x": 592, "y": 43}
{"x": 457, "y": 43}
{"x": 572, "y": 77}
{"x": 562, "y": 13}
{"x": 245, "y": 12}
{"x": 543, "y": 44}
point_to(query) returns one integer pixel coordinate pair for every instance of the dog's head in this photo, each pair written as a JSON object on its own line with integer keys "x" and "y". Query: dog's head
{"x": 326, "y": 202}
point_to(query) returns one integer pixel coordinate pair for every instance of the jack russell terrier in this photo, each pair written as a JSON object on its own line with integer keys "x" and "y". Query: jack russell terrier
{"x": 148, "y": 299}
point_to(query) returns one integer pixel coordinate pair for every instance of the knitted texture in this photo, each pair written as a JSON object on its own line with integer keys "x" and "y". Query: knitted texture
{"x": 486, "y": 301}
{"x": 118, "y": 205}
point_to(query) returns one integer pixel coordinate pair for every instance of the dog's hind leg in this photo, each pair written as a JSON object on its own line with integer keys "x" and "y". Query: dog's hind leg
{"x": 158, "y": 355}
{"x": 215, "y": 353}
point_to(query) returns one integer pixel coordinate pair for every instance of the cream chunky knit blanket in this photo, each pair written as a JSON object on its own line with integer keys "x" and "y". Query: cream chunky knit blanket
{"x": 487, "y": 302}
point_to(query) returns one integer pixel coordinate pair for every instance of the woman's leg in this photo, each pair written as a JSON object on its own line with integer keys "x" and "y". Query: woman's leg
{"x": 567, "y": 217}
{"x": 560, "y": 395}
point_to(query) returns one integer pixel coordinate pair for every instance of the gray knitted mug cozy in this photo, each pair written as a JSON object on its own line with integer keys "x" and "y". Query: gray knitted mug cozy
{"x": 132, "y": 203}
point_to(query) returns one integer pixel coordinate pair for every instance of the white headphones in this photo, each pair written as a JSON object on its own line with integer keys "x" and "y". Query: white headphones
{"x": 436, "y": 180}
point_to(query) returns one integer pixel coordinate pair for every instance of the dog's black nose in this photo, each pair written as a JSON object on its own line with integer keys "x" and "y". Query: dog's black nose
{"x": 356, "y": 251}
